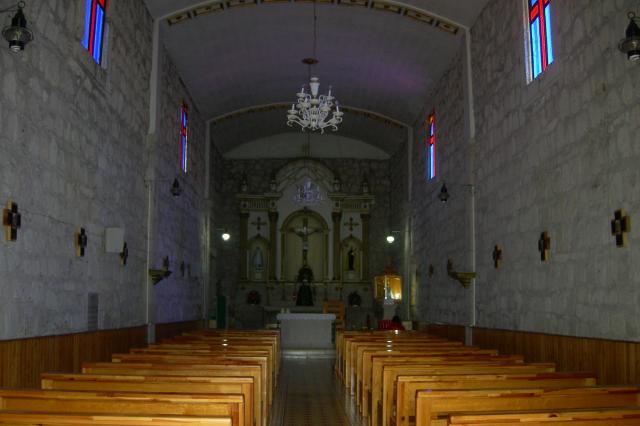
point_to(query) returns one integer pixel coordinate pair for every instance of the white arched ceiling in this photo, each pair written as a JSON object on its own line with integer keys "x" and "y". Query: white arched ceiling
{"x": 379, "y": 55}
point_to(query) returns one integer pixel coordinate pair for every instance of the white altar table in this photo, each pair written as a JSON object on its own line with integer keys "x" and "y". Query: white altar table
{"x": 306, "y": 331}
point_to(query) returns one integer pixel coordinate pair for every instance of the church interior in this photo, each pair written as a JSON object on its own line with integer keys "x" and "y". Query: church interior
{"x": 255, "y": 200}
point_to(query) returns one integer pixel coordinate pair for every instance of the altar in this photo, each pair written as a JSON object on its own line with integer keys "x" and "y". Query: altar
{"x": 306, "y": 330}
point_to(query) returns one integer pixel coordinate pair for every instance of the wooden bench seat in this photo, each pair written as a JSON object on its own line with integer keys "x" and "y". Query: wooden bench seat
{"x": 229, "y": 369}
{"x": 221, "y": 405}
{"x": 156, "y": 384}
{"x": 59, "y": 419}
{"x": 408, "y": 386}
{"x": 222, "y": 358}
{"x": 365, "y": 382}
{"x": 392, "y": 371}
{"x": 434, "y": 407}
{"x": 608, "y": 417}
{"x": 351, "y": 347}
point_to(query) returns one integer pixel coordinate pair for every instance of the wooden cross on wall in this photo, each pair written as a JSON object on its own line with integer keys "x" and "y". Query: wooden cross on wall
{"x": 351, "y": 224}
{"x": 81, "y": 242}
{"x": 544, "y": 245}
{"x": 124, "y": 255}
{"x": 497, "y": 256}
{"x": 11, "y": 219}
{"x": 258, "y": 223}
{"x": 620, "y": 226}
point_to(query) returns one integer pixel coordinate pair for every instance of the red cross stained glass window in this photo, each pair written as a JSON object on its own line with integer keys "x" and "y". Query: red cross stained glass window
{"x": 540, "y": 45}
{"x": 95, "y": 28}
{"x": 430, "y": 125}
{"x": 184, "y": 136}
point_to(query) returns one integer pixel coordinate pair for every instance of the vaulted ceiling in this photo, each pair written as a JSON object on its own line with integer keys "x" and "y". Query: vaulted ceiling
{"x": 241, "y": 60}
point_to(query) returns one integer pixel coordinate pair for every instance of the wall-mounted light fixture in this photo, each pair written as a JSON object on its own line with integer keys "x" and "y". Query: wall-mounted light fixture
{"x": 176, "y": 190}
{"x": 444, "y": 194}
{"x": 225, "y": 235}
{"x": 17, "y": 34}
{"x": 391, "y": 236}
{"x": 631, "y": 43}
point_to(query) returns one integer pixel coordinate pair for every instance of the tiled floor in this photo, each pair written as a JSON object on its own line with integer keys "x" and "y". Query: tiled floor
{"x": 309, "y": 394}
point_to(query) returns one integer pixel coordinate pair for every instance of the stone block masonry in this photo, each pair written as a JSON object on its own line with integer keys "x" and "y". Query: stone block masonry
{"x": 555, "y": 155}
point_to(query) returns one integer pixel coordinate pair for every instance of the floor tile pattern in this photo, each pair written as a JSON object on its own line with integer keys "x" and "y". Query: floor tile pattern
{"x": 310, "y": 394}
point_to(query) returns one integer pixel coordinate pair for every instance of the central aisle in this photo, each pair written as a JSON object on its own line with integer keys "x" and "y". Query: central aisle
{"x": 309, "y": 394}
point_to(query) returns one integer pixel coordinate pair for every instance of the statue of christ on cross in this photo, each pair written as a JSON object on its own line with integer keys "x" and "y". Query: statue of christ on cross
{"x": 304, "y": 232}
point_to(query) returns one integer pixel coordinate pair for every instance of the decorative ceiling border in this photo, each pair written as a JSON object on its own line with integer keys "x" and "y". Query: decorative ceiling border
{"x": 387, "y": 6}
{"x": 284, "y": 105}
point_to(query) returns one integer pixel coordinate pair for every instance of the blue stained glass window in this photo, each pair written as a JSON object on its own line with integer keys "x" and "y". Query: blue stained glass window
{"x": 94, "y": 28}
{"x": 184, "y": 136}
{"x": 430, "y": 126}
{"x": 541, "y": 47}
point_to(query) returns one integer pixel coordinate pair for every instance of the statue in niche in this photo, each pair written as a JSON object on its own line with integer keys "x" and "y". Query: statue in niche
{"x": 305, "y": 296}
{"x": 351, "y": 258}
{"x": 257, "y": 260}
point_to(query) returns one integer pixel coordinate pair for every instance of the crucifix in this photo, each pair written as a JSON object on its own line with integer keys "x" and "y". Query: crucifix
{"x": 620, "y": 226}
{"x": 11, "y": 219}
{"x": 497, "y": 256}
{"x": 81, "y": 242}
{"x": 351, "y": 224}
{"x": 258, "y": 223}
{"x": 544, "y": 245}
{"x": 124, "y": 254}
{"x": 304, "y": 233}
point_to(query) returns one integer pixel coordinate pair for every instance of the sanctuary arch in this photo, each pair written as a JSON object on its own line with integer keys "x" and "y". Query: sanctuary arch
{"x": 304, "y": 220}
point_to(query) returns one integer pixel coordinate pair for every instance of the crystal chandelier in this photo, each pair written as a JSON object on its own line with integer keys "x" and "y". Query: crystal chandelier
{"x": 313, "y": 111}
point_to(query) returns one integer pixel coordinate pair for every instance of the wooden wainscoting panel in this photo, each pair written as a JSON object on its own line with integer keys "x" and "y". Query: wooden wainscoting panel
{"x": 168, "y": 330}
{"x": 447, "y": 331}
{"x": 614, "y": 361}
{"x": 23, "y": 360}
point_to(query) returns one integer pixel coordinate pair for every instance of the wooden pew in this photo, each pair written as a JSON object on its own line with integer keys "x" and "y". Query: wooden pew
{"x": 352, "y": 342}
{"x": 227, "y": 406}
{"x": 261, "y": 360}
{"x": 408, "y": 386}
{"x": 433, "y": 407}
{"x": 609, "y": 417}
{"x": 351, "y": 347}
{"x": 365, "y": 383}
{"x": 215, "y": 351}
{"x": 204, "y": 342}
{"x": 392, "y": 371}
{"x": 66, "y": 419}
{"x": 156, "y": 384}
{"x": 228, "y": 369}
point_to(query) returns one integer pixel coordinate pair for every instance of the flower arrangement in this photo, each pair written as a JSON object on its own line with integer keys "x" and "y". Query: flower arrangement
{"x": 253, "y": 298}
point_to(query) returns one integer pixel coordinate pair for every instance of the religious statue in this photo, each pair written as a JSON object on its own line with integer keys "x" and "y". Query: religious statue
{"x": 304, "y": 233}
{"x": 257, "y": 259}
{"x": 351, "y": 257}
{"x": 305, "y": 295}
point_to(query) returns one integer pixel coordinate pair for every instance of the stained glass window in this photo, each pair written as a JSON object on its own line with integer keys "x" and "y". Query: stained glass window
{"x": 95, "y": 28}
{"x": 431, "y": 146}
{"x": 184, "y": 135}
{"x": 540, "y": 46}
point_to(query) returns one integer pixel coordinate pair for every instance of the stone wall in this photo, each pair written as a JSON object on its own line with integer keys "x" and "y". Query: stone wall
{"x": 556, "y": 155}
{"x": 440, "y": 231}
{"x": 73, "y": 143}
{"x": 178, "y": 221}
